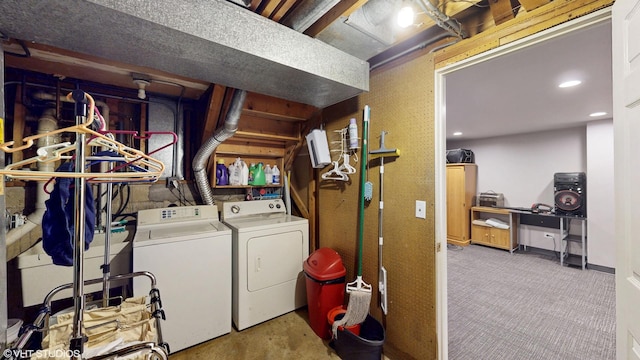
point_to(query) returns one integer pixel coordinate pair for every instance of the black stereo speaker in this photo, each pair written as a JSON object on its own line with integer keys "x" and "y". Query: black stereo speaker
{"x": 570, "y": 193}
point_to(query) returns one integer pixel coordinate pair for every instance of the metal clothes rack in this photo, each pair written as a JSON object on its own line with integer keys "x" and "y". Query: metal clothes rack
{"x": 158, "y": 349}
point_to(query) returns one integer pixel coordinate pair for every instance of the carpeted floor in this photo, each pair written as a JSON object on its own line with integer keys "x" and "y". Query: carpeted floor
{"x": 526, "y": 306}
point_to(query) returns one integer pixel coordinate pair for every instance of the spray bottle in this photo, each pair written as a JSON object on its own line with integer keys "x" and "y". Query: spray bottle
{"x": 353, "y": 134}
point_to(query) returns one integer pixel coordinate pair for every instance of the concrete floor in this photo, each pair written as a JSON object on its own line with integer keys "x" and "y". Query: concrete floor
{"x": 286, "y": 337}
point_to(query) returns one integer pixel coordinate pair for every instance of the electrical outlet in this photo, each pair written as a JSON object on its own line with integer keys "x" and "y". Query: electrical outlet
{"x": 172, "y": 182}
{"x": 421, "y": 209}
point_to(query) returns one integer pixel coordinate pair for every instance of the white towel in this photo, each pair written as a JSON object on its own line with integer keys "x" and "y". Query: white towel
{"x": 497, "y": 223}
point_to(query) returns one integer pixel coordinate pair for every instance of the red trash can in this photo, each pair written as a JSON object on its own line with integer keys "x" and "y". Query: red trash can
{"x": 325, "y": 279}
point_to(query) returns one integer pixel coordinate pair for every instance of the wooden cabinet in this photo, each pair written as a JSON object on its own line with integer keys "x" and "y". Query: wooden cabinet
{"x": 483, "y": 234}
{"x": 461, "y": 190}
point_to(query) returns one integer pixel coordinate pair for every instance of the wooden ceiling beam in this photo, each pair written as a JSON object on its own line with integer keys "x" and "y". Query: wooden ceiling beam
{"x": 282, "y": 9}
{"x": 214, "y": 110}
{"x": 533, "y": 4}
{"x": 501, "y": 10}
{"x": 343, "y": 8}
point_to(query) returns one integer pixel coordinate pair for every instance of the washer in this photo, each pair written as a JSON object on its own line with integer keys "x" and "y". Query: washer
{"x": 269, "y": 248}
{"x": 189, "y": 251}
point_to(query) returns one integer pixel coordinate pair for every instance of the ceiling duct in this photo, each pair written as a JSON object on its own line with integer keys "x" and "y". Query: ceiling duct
{"x": 210, "y": 40}
{"x": 376, "y": 19}
{"x": 245, "y": 3}
{"x": 307, "y": 13}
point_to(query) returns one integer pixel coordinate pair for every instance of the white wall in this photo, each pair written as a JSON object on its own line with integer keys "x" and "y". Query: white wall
{"x": 600, "y": 204}
{"x": 522, "y": 167}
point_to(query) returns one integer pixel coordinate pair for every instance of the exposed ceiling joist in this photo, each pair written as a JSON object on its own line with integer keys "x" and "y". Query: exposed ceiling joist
{"x": 533, "y": 4}
{"x": 501, "y": 10}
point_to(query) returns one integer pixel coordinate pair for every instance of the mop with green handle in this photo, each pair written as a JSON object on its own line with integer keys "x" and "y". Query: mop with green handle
{"x": 359, "y": 291}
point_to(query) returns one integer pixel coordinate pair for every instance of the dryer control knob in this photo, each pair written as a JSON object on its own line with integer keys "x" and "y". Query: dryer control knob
{"x": 235, "y": 209}
{"x": 270, "y": 206}
{"x": 278, "y": 206}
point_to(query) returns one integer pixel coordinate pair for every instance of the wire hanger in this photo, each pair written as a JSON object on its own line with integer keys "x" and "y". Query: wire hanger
{"x": 147, "y": 168}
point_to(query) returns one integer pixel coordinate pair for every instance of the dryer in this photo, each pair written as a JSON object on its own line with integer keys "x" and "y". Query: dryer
{"x": 189, "y": 251}
{"x": 268, "y": 250}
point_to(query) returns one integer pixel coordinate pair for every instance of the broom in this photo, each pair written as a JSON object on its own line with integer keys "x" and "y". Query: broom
{"x": 359, "y": 291}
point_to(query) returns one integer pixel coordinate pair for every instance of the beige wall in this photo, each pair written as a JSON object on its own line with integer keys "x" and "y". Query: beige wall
{"x": 401, "y": 101}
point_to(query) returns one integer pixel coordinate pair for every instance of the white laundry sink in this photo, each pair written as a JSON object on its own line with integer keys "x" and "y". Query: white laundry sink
{"x": 39, "y": 275}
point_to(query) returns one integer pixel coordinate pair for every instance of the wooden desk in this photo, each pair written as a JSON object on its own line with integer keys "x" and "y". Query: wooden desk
{"x": 561, "y": 223}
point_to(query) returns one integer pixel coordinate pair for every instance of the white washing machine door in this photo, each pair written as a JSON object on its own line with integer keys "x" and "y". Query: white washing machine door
{"x": 274, "y": 258}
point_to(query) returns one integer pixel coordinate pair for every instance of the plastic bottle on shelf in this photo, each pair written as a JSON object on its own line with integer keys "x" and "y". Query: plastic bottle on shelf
{"x": 353, "y": 134}
{"x": 259, "y": 176}
{"x": 222, "y": 175}
{"x": 235, "y": 172}
{"x": 252, "y": 173}
{"x": 268, "y": 175}
{"x": 230, "y": 170}
{"x": 276, "y": 174}
{"x": 244, "y": 174}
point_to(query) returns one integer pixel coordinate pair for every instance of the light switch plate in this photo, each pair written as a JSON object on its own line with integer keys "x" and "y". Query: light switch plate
{"x": 421, "y": 209}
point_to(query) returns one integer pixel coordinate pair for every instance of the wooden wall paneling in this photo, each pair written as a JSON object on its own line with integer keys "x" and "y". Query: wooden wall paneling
{"x": 274, "y": 108}
{"x": 250, "y": 125}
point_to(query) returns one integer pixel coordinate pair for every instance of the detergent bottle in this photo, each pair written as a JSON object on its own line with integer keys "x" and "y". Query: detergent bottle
{"x": 252, "y": 173}
{"x": 244, "y": 173}
{"x": 234, "y": 178}
{"x": 268, "y": 175}
{"x": 222, "y": 175}
{"x": 259, "y": 176}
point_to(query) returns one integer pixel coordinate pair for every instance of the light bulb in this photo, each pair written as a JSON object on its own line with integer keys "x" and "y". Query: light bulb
{"x": 405, "y": 17}
{"x": 142, "y": 84}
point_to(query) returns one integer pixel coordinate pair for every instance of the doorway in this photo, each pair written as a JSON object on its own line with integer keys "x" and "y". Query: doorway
{"x": 440, "y": 141}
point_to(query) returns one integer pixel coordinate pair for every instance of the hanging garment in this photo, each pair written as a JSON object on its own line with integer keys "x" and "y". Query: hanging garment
{"x": 58, "y": 222}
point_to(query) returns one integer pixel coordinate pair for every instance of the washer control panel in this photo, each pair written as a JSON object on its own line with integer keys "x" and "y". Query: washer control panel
{"x": 177, "y": 214}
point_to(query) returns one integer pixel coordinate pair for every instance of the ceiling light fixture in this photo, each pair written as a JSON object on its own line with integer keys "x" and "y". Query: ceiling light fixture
{"x": 599, "y": 113}
{"x": 457, "y": 133}
{"x": 405, "y": 17}
{"x": 570, "y": 83}
{"x": 142, "y": 81}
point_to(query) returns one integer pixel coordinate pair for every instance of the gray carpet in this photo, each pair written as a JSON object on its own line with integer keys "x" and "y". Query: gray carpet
{"x": 525, "y": 306}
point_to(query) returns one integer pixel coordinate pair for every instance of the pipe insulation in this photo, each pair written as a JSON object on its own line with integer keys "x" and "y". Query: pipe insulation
{"x": 104, "y": 108}
{"x": 223, "y": 133}
{"x": 46, "y": 124}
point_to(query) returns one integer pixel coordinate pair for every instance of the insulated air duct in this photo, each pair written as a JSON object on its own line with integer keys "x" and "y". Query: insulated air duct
{"x": 223, "y": 133}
